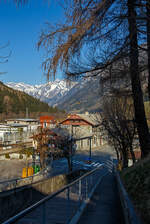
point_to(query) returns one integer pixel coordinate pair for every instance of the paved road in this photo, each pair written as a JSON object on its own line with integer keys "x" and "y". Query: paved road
{"x": 104, "y": 207}
{"x": 103, "y": 155}
{"x": 13, "y": 168}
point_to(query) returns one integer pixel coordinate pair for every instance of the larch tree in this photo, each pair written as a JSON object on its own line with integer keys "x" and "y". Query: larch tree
{"x": 95, "y": 35}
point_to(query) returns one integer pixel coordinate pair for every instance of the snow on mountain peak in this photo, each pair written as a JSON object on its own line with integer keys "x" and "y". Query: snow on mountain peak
{"x": 50, "y": 92}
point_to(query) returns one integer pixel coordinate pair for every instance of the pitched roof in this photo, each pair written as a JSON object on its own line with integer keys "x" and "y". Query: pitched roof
{"x": 93, "y": 119}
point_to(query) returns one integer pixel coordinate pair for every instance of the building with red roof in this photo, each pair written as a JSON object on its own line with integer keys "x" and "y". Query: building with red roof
{"x": 84, "y": 127}
{"x": 47, "y": 121}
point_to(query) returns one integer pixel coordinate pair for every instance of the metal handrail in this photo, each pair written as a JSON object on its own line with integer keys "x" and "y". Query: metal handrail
{"x": 130, "y": 215}
{"x": 42, "y": 201}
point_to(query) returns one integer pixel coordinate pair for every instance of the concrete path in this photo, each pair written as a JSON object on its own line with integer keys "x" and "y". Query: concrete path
{"x": 104, "y": 207}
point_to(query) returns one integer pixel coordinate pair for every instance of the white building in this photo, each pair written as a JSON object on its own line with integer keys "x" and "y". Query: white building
{"x": 31, "y": 124}
{"x": 17, "y": 130}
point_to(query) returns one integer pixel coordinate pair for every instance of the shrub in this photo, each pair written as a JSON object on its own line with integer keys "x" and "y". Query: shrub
{"x": 7, "y": 156}
{"x": 20, "y": 156}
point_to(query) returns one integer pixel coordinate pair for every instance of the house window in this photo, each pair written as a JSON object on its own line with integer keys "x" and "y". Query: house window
{"x": 100, "y": 140}
{"x": 87, "y": 142}
{"x": 95, "y": 140}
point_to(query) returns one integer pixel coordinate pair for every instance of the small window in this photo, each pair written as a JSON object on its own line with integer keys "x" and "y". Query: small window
{"x": 95, "y": 140}
{"x": 88, "y": 142}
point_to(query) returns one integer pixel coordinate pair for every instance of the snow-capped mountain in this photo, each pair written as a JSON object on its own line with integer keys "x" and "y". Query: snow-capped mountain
{"x": 76, "y": 96}
{"x": 84, "y": 96}
{"x": 50, "y": 92}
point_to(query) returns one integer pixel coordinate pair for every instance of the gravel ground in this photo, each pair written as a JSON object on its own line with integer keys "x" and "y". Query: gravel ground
{"x": 11, "y": 168}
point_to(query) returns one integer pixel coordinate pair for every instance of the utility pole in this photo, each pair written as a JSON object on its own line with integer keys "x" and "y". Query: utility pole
{"x": 27, "y": 112}
{"x": 71, "y": 144}
{"x": 90, "y": 153}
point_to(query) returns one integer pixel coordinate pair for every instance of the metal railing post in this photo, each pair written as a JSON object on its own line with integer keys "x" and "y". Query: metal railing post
{"x": 68, "y": 202}
{"x": 68, "y": 193}
{"x": 16, "y": 184}
{"x": 91, "y": 180}
{"x": 80, "y": 191}
{"x": 86, "y": 188}
{"x": 44, "y": 213}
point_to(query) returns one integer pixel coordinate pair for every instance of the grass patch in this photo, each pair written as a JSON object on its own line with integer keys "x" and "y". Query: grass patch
{"x": 136, "y": 180}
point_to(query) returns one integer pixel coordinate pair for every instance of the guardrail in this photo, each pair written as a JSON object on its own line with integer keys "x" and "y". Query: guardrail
{"x": 71, "y": 201}
{"x": 130, "y": 215}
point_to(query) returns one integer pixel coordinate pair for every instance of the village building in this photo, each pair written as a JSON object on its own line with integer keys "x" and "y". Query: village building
{"x": 32, "y": 124}
{"x": 14, "y": 131}
{"x": 47, "y": 121}
{"x": 85, "y": 128}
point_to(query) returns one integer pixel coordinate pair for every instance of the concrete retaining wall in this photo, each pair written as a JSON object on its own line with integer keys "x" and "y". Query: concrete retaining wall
{"x": 16, "y": 183}
{"x": 17, "y": 199}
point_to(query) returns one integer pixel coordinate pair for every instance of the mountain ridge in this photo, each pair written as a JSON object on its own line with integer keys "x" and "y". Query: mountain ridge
{"x": 49, "y": 92}
{"x": 16, "y": 102}
{"x": 74, "y": 97}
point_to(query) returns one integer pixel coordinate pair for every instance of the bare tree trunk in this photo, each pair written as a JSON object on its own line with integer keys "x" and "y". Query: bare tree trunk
{"x": 148, "y": 43}
{"x": 142, "y": 127}
{"x": 42, "y": 160}
{"x": 125, "y": 158}
{"x": 117, "y": 153}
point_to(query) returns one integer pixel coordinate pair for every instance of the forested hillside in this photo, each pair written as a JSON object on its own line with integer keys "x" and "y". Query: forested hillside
{"x": 13, "y": 101}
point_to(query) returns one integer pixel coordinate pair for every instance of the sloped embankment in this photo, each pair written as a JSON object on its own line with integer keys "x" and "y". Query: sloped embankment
{"x": 136, "y": 180}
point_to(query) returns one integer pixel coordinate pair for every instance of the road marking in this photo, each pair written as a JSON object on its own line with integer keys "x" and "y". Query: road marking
{"x": 76, "y": 162}
{"x": 93, "y": 164}
{"x": 96, "y": 164}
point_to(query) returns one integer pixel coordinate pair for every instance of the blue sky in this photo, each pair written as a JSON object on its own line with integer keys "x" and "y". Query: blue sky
{"x": 21, "y": 28}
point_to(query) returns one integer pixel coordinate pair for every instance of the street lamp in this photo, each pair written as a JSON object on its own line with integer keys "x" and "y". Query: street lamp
{"x": 90, "y": 152}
